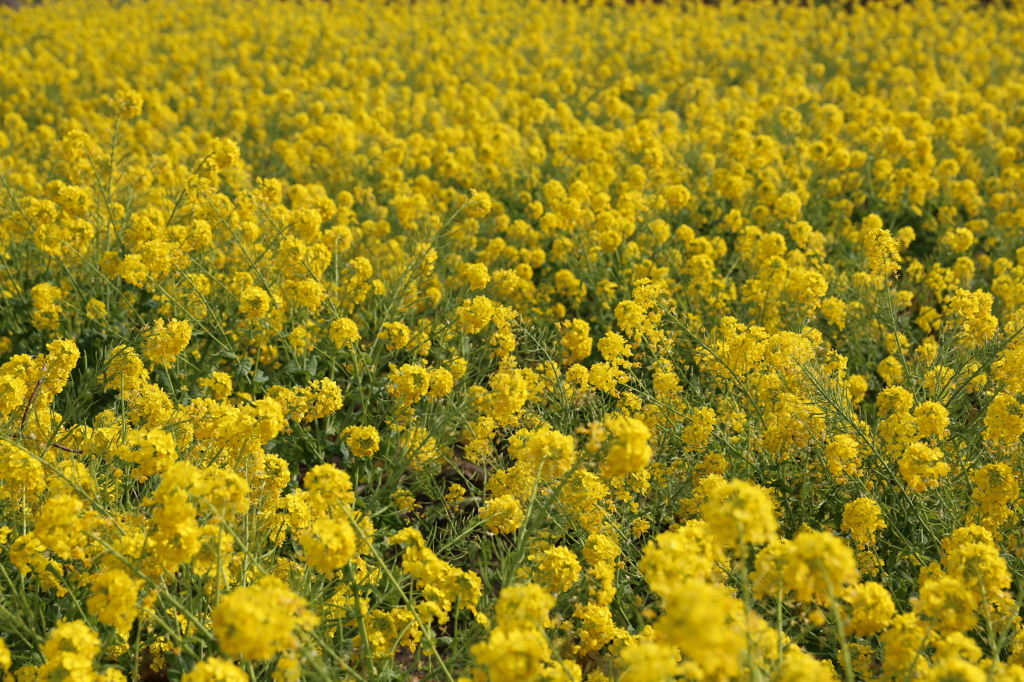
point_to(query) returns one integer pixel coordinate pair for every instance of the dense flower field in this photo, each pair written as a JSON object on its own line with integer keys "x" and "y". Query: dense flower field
{"x": 511, "y": 340}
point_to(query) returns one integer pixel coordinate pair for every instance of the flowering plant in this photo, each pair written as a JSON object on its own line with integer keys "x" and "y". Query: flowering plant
{"x": 511, "y": 340}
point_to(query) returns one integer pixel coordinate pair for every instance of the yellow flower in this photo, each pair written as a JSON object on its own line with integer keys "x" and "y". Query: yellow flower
{"x": 329, "y": 544}
{"x": 222, "y": 152}
{"x": 629, "y": 451}
{"x": 5, "y": 658}
{"x": 125, "y": 371}
{"x": 706, "y": 623}
{"x": 544, "y": 451}
{"x": 61, "y": 524}
{"x": 789, "y": 207}
{"x": 932, "y": 419}
{"x": 219, "y": 384}
{"x": 922, "y": 466}
{"x": 307, "y": 293}
{"x": 948, "y": 605}
{"x": 166, "y": 340}
{"x": 362, "y": 441}
{"x": 873, "y": 608}
{"x": 1004, "y": 420}
{"x": 476, "y": 275}
{"x": 818, "y": 566}
{"x": 858, "y": 386}
{"x": 902, "y": 644}
{"x": 834, "y": 310}
{"x": 261, "y": 620}
{"x": 513, "y": 654}
{"x": 614, "y": 349}
{"x": 224, "y": 492}
{"x": 395, "y": 334}
{"x": 475, "y": 314}
{"x": 479, "y": 205}
{"x": 882, "y": 251}
{"x": 330, "y": 490}
{"x": 443, "y": 585}
{"x": 214, "y": 669}
{"x": 409, "y": 382}
{"x": 343, "y": 331}
{"x": 954, "y": 668}
{"x": 95, "y": 309}
{"x": 114, "y": 597}
{"x": 957, "y": 240}
{"x": 640, "y": 527}
{"x": 862, "y": 518}
{"x": 676, "y": 196}
{"x": 891, "y": 370}
{"x": 323, "y": 397}
{"x": 970, "y": 314}
{"x": 681, "y": 554}
{"x": 69, "y": 651}
{"x": 288, "y": 669}
{"x": 254, "y": 303}
{"x": 576, "y": 340}
{"x": 739, "y": 513}
{"x": 153, "y": 450}
{"x": 502, "y": 514}
{"x": 649, "y": 662}
{"x": 441, "y": 382}
{"x": 455, "y": 493}
{"x": 600, "y": 547}
{"x": 597, "y": 628}
{"x": 973, "y": 558}
{"x": 996, "y": 488}
{"x": 523, "y": 605}
{"x": 843, "y": 457}
{"x": 517, "y": 648}
{"x": 557, "y": 569}
{"x": 128, "y": 102}
{"x": 799, "y": 666}
{"x": 46, "y": 308}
